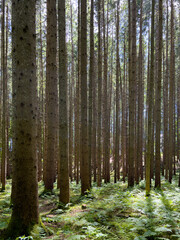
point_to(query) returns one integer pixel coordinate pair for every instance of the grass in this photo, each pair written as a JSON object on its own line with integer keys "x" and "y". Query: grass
{"x": 111, "y": 212}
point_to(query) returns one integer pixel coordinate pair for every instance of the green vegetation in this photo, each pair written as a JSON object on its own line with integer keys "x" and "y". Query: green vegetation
{"x": 112, "y": 211}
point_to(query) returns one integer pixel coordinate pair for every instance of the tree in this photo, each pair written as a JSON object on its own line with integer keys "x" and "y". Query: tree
{"x": 71, "y": 99}
{"x": 85, "y": 183}
{"x": 63, "y": 126}
{"x": 4, "y": 83}
{"x": 132, "y": 89}
{"x": 24, "y": 179}
{"x": 165, "y": 99}
{"x": 99, "y": 93}
{"x": 178, "y": 102}
{"x": 140, "y": 102}
{"x": 77, "y": 101}
{"x": 51, "y": 93}
{"x": 106, "y": 124}
{"x": 150, "y": 106}
{"x": 123, "y": 131}
{"x": 116, "y": 160}
{"x": 41, "y": 113}
{"x": 8, "y": 170}
{"x": 91, "y": 77}
{"x": 171, "y": 94}
{"x": 158, "y": 101}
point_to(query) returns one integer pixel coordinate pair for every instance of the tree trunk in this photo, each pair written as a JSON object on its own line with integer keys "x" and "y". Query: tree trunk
{"x": 85, "y": 183}
{"x": 42, "y": 124}
{"x": 63, "y": 122}
{"x": 140, "y": 102}
{"x": 171, "y": 95}
{"x": 99, "y": 151}
{"x": 132, "y": 101}
{"x": 77, "y": 103}
{"x": 158, "y": 101}
{"x": 105, "y": 102}
{"x": 51, "y": 93}
{"x": 91, "y": 77}
{"x": 71, "y": 101}
{"x": 123, "y": 131}
{"x": 117, "y": 133}
{"x": 165, "y": 98}
{"x": 24, "y": 180}
{"x": 4, "y": 87}
{"x": 150, "y": 106}
{"x": 178, "y": 104}
{"x": 7, "y": 96}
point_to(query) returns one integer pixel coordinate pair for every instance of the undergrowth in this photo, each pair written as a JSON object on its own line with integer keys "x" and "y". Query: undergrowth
{"x": 112, "y": 212}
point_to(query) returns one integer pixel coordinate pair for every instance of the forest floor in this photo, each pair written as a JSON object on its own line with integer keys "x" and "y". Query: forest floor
{"x": 111, "y": 212}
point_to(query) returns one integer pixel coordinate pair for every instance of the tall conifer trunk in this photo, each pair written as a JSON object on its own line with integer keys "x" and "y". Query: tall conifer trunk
{"x": 165, "y": 98}
{"x": 99, "y": 150}
{"x": 91, "y": 79}
{"x": 171, "y": 95}
{"x": 117, "y": 137}
{"x": 63, "y": 122}
{"x": 77, "y": 101}
{"x": 51, "y": 93}
{"x": 132, "y": 101}
{"x": 85, "y": 183}
{"x": 150, "y": 106}
{"x": 158, "y": 100}
{"x": 24, "y": 180}
{"x": 4, "y": 87}
{"x": 140, "y": 102}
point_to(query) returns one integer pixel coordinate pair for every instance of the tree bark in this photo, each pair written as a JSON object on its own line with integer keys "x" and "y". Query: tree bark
{"x": 140, "y": 102}
{"x": 85, "y": 183}
{"x": 150, "y": 106}
{"x": 51, "y": 93}
{"x": 4, "y": 88}
{"x": 158, "y": 101}
{"x": 132, "y": 101}
{"x": 166, "y": 105}
{"x": 91, "y": 79}
{"x": 63, "y": 122}
{"x": 117, "y": 133}
{"x": 171, "y": 95}
{"x": 99, "y": 150}
{"x": 24, "y": 180}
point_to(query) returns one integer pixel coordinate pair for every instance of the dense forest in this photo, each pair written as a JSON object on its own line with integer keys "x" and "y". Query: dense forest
{"x": 90, "y": 119}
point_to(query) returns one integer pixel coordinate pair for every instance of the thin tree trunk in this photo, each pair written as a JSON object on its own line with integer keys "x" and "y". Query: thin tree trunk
{"x": 99, "y": 151}
{"x": 117, "y": 132}
{"x": 42, "y": 104}
{"x": 178, "y": 104}
{"x": 7, "y": 95}
{"x": 4, "y": 80}
{"x": 140, "y": 102}
{"x": 85, "y": 183}
{"x": 123, "y": 131}
{"x": 171, "y": 95}
{"x": 166, "y": 97}
{"x": 77, "y": 104}
{"x": 132, "y": 101}
{"x": 91, "y": 79}
{"x": 63, "y": 122}
{"x": 106, "y": 123}
{"x": 150, "y": 106}
{"x": 71, "y": 106}
{"x": 158, "y": 101}
{"x": 94, "y": 127}
{"x": 51, "y": 93}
